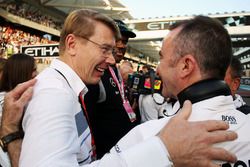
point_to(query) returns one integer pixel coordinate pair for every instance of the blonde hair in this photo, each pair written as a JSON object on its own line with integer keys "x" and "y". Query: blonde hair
{"x": 82, "y": 22}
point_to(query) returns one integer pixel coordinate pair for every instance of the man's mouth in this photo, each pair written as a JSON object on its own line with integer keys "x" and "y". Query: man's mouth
{"x": 100, "y": 69}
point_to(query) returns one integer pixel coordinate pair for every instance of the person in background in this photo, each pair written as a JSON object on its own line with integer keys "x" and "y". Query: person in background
{"x": 191, "y": 140}
{"x": 110, "y": 112}
{"x": 191, "y": 69}
{"x": 155, "y": 106}
{"x": 233, "y": 75}
{"x": 145, "y": 69}
{"x": 18, "y": 69}
{"x": 2, "y": 63}
{"x": 125, "y": 69}
{"x": 152, "y": 105}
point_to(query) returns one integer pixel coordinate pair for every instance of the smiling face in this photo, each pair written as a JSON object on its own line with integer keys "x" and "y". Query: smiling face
{"x": 170, "y": 66}
{"x": 120, "y": 50}
{"x": 91, "y": 56}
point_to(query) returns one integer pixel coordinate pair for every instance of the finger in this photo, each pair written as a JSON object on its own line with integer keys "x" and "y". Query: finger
{"x": 221, "y": 154}
{"x": 185, "y": 111}
{"x": 25, "y": 97}
{"x": 211, "y": 164}
{"x": 221, "y": 136}
{"x": 208, "y": 163}
{"x": 20, "y": 88}
{"x": 212, "y": 125}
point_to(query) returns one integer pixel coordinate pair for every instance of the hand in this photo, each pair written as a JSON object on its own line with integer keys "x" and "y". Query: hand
{"x": 190, "y": 143}
{"x": 13, "y": 108}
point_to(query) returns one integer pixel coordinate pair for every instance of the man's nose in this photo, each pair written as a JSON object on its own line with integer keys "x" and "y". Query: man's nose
{"x": 110, "y": 59}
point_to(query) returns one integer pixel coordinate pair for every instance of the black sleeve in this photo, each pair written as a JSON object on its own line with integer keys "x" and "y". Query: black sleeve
{"x": 244, "y": 109}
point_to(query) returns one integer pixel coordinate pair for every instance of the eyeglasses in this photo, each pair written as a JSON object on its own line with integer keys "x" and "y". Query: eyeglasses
{"x": 106, "y": 50}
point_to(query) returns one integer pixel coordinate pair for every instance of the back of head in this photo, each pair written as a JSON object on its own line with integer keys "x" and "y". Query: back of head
{"x": 146, "y": 68}
{"x": 18, "y": 69}
{"x": 208, "y": 41}
{"x": 82, "y": 22}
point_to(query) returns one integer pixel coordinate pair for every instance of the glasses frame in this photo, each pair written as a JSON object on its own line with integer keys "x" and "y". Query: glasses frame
{"x": 106, "y": 50}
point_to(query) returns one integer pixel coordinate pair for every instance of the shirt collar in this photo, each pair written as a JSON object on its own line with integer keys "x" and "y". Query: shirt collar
{"x": 73, "y": 79}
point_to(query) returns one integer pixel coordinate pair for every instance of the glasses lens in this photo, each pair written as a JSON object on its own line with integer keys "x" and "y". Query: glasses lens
{"x": 107, "y": 50}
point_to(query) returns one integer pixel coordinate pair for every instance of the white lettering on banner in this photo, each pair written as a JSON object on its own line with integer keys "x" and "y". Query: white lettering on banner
{"x": 159, "y": 25}
{"x": 42, "y": 51}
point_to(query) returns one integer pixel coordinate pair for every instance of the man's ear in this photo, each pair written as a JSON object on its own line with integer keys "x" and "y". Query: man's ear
{"x": 236, "y": 84}
{"x": 70, "y": 44}
{"x": 187, "y": 64}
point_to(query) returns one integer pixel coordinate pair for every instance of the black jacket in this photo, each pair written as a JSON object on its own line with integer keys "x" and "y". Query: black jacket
{"x": 108, "y": 118}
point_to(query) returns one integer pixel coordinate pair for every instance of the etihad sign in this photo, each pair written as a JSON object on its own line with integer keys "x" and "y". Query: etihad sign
{"x": 151, "y": 26}
{"x": 50, "y": 50}
{"x": 161, "y": 25}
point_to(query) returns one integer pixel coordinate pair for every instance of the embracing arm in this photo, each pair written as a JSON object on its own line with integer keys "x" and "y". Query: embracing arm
{"x": 14, "y": 104}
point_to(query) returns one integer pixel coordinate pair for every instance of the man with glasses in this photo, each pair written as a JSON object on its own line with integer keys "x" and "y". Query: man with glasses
{"x": 55, "y": 126}
{"x": 56, "y": 129}
{"x": 111, "y": 115}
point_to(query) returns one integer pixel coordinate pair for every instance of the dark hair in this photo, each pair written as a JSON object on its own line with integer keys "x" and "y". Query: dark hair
{"x": 2, "y": 63}
{"x": 208, "y": 41}
{"x": 82, "y": 22}
{"x": 236, "y": 68}
{"x": 18, "y": 69}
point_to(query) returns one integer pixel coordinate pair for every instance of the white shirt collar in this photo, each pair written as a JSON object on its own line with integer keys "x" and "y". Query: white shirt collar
{"x": 73, "y": 79}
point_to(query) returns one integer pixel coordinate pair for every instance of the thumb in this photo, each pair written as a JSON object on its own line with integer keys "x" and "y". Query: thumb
{"x": 185, "y": 111}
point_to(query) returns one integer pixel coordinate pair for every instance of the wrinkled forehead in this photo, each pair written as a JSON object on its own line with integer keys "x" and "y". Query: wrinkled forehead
{"x": 123, "y": 39}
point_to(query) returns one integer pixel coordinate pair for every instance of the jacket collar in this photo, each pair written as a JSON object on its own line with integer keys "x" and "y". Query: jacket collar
{"x": 203, "y": 90}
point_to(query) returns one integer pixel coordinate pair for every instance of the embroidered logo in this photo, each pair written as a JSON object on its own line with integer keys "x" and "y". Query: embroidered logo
{"x": 112, "y": 82}
{"x": 229, "y": 119}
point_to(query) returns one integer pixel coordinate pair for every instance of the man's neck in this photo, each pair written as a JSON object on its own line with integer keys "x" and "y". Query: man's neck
{"x": 203, "y": 90}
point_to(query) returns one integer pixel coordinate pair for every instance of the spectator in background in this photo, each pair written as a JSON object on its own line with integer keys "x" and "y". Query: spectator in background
{"x": 2, "y": 63}
{"x": 126, "y": 68}
{"x": 13, "y": 38}
{"x": 155, "y": 106}
{"x": 152, "y": 105}
{"x": 232, "y": 78}
{"x": 145, "y": 69}
{"x": 18, "y": 68}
